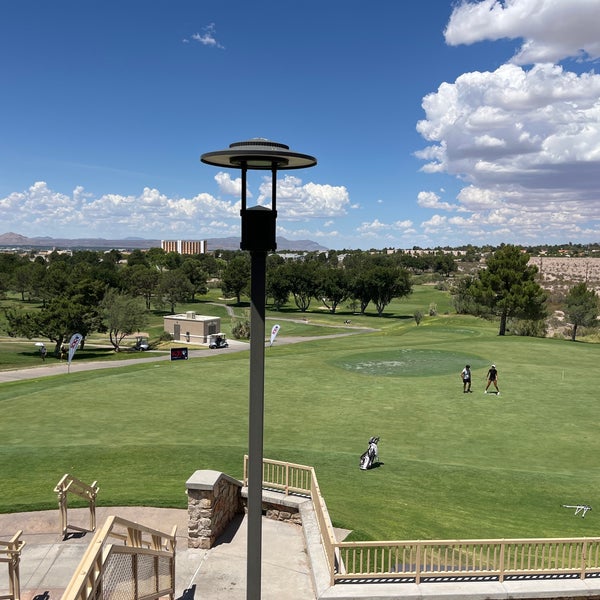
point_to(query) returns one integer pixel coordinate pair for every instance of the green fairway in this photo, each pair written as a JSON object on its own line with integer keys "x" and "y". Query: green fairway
{"x": 454, "y": 465}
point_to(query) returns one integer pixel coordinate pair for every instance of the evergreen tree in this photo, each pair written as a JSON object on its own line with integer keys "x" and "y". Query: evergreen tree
{"x": 507, "y": 287}
{"x": 581, "y": 307}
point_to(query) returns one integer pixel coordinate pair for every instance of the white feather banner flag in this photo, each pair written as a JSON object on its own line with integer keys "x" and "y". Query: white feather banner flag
{"x": 73, "y": 345}
{"x": 274, "y": 333}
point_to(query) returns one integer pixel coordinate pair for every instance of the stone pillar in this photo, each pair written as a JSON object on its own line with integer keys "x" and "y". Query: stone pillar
{"x": 213, "y": 500}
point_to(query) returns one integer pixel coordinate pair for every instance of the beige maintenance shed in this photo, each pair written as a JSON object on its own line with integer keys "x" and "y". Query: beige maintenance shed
{"x": 192, "y": 328}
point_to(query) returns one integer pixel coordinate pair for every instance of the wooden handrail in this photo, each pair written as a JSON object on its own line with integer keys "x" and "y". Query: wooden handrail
{"x": 418, "y": 559}
{"x": 10, "y": 553}
{"x": 69, "y": 484}
{"x": 469, "y": 558}
{"x": 126, "y": 538}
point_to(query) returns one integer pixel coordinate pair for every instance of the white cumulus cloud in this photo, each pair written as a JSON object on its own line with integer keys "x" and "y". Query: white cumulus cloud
{"x": 150, "y": 213}
{"x": 229, "y": 186}
{"x": 296, "y": 200}
{"x": 525, "y": 142}
{"x": 551, "y": 30}
{"x": 432, "y": 200}
{"x": 39, "y": 210}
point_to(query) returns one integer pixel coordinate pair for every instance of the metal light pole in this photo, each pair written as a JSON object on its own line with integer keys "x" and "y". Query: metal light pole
{"x": 258, "y": 237}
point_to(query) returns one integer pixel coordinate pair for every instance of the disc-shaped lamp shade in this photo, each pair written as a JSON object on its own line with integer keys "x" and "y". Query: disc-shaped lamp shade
{"x": 258, "y": 154}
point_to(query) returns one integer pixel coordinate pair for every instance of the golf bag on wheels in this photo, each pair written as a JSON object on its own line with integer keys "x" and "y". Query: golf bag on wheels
{"x": 370, "y": 456}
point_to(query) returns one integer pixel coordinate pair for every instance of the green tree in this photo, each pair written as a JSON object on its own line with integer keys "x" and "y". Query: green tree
{"x": 174, "y": 287}
{"x": 122, "y": 316}
{"x": 377, "y": 279}
{"x": 173, "y": 260}
{"x": 138, "y": 257}
{"x": 302, "y": 277}
{"x": 386, "y": 283}
{"x": 209, "y": 263}
{"x": 462, "y": 297}
{"x": 60, "y": 319}
{"x": 193, "y": 269}
{"x": 333, "y": 286}
{"x": 155, "y": 257}
{"x": 236, "y": 276}
{"x": 507, "y": 287}
{"x": 278, "y": 286}
{"x": 581, "y": 307}
{"x": 445, "y": 263}
{"x": 113, "y": 256}
{"x": 23, "y": 279}
{"x": 357, "y": 266}
{"x": 141, "y": 280}
{"x": 56, "y": 280}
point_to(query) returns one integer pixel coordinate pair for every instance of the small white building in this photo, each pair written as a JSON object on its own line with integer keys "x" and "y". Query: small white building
{"x": 190, "y": 327}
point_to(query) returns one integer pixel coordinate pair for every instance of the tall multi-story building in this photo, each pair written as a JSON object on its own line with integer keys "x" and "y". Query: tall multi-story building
{"x": 184, "y": 246}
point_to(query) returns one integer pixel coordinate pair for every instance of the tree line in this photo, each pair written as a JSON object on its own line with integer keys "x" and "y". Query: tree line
{"x": 90, "y": 291}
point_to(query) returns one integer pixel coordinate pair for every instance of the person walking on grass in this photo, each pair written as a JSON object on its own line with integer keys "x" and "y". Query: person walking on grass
{"x": 465, "y": 375}
{"x": 492, "y": 377}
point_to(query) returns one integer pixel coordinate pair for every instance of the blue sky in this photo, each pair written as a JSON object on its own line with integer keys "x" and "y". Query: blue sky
{"x": 433, "y": 122}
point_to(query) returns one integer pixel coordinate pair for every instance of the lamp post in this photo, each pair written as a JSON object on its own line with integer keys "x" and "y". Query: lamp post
{"x": 258, "y": 237}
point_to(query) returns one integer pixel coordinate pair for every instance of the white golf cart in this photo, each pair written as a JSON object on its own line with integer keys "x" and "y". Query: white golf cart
{"x": 141, "y": 344}
{"x": 217, "y": 340}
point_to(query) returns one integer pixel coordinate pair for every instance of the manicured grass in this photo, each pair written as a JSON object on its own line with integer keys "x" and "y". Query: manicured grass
{"x": 454, "y": 464}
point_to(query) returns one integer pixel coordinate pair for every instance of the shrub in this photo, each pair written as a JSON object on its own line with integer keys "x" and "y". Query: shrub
{"x": 240, "y": 330}
{"x": 528, "y": 328}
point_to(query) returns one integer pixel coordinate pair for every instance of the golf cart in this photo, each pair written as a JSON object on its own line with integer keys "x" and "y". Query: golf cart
{"x": 141, "y": 344}
{"x": 217, "y": 340}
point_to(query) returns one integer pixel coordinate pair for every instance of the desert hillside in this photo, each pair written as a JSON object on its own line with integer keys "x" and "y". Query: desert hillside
{"x": 560, "y": 274}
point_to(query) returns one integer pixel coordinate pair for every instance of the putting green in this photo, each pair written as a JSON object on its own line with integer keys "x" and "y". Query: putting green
{"x": 407, "y": 361}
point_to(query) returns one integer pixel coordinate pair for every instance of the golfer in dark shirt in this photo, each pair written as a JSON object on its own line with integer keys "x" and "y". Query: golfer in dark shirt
{"x": 492, "y": 377}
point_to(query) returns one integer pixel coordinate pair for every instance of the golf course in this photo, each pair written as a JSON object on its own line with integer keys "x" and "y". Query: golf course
{"x": 452, "y": 465}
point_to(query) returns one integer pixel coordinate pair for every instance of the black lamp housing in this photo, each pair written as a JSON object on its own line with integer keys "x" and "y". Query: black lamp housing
{"x": 259, "y": 154}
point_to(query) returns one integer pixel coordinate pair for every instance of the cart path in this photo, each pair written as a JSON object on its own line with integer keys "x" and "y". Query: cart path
{"x": 155, "y": 356}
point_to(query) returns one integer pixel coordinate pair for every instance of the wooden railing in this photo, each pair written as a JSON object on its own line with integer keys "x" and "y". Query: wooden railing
{"x": 10, "y": 553}
{"x": 284, "y": 476}
{"x": 325, "y": 528}
{"x": 465, "y": 559}
{"x": 433, "y": 559}
{"x": 69, "y": 484}
{"x": 300, "y": 479}
{"x": 125, "y": 559}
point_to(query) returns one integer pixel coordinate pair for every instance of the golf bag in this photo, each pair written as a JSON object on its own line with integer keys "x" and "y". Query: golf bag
{"x": 370, "y": 456}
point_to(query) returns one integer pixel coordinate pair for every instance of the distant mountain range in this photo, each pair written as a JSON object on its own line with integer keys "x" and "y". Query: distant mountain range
{"x": 16, "y": 240}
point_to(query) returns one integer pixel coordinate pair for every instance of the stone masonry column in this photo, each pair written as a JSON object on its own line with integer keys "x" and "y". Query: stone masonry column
{"x": 214, "y": 498}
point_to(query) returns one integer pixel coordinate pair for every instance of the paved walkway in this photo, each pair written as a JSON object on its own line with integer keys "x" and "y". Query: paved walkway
{"x": 48, "y": 562}
{"x": 58, "y": 368}
{"x": 293, "y": 564}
